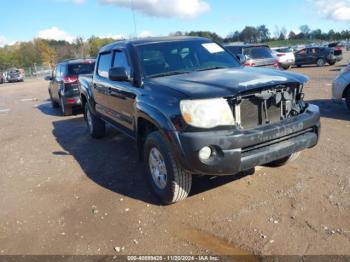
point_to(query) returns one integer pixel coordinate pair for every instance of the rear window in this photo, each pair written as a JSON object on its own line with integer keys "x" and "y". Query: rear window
{"x": 284, "y": 50}
{"x": 81, "y": 68}
{"x": 260, "y": 52}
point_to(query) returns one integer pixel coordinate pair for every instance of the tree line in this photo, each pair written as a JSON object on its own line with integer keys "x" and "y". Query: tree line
{"x": 49, "y": 52}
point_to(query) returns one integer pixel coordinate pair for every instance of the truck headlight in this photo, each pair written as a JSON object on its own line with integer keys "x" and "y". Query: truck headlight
{"x": 207, "y": 113}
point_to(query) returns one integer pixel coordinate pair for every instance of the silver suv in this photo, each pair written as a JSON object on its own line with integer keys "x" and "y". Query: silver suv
{"x": 341, "y": 86}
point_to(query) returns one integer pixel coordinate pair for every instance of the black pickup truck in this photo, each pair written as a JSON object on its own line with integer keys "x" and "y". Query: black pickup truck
{"x": 193, "y": 109}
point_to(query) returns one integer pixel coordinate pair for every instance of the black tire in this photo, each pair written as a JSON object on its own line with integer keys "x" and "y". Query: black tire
{"x": 66, "y": 110}
{"x": 54, "y": 104}
{"x": 178, "y": 181}
{"x": 285, "y": 67}
{"x": 320, "y": 62}
{"x": 332, "y": 63}
{"x": 284, "y": 161}
{"x": 299, "y": 66}
{"x": 95, "y": 125}
{"x": 347, "y": 98}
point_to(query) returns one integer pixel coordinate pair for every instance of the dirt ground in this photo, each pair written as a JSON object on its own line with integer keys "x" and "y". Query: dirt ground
{"x": 62, "y": 192}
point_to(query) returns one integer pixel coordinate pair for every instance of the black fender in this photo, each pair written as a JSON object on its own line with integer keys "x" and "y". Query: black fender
{"x": 87, "y": 93}
{"x": 155, "y": 117}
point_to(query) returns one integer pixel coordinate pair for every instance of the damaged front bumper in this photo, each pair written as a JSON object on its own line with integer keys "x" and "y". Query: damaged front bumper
{"x": 237, "y": 150}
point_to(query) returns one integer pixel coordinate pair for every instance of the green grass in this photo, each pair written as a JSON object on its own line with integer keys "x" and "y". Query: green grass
{"x": 286, "y": 43}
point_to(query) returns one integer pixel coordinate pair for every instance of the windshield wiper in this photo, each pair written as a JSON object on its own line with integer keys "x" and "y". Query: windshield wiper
{"x": 211, "y": 68}
{"x": 172, "y": 73}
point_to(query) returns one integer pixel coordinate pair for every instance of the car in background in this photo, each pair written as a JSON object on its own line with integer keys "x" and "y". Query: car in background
{"x": 15, "y": 75}
{"x": 315, "y": 56}
{"x": 285, "y": 56}
{"x": 2, "y": 78}
{"x": 253, "y": 55}
{"x": 341, "y": 86}
{"x": 338, "y": 50}
{"x": 64, "y": 86}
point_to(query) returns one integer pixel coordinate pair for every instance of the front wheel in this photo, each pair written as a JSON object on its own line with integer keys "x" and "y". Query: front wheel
{"x": 169, "y": 181}
{"x": 320, "y": 62}
{"x": 96, "y": 126}
{"x": 284, "y": 161}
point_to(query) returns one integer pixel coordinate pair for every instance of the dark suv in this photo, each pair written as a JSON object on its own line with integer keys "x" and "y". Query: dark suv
{"x": 192, "y": 108}
{"x": 315, "y": 56}
{"x": 254, "y": 55}
{"x": 63, "y": 88}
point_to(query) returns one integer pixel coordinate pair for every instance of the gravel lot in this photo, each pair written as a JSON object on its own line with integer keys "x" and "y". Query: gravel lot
{"x": 65, "y": 193}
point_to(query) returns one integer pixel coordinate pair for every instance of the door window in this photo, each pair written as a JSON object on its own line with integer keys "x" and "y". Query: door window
{"x": 121, "y": 60}
{"x": 104, "y": 64}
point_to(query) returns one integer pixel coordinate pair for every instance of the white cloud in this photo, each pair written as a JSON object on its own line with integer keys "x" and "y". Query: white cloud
{"x": 164, "y": 8}
{"x": 115, "y": 37}
{"x": 3, "y": 41}
{"x": 145, "y": 34}
{"x": 338, "y": 10}
{"x": 54, "y": 33}
{"x": 79, "y": 2}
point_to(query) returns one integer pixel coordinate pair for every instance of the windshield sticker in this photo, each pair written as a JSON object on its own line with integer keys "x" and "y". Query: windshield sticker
{"x": 213, "y": 48}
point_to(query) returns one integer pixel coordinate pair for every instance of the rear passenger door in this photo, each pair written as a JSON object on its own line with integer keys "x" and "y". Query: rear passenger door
{"x": 101, "y": 83}
{"x": 122, "y": 94}
{"x": 56, "y": 82}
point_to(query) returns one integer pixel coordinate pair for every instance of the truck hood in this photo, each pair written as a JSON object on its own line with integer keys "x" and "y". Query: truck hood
{"x": 226, "y": 82}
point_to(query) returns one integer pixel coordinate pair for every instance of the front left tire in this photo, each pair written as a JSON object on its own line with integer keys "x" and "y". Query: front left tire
{"x": 96, "y": 126}
{"x": 169, "y": 181}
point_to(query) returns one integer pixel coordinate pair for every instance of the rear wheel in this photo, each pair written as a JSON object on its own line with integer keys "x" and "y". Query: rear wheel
{"x": 66, "y": 110}
{"x": 169, "y": 181}
{"x": 284, "y": 161}
{"x": 96, "y": 126}
{"x": 54, "y": 104}
{"x": 347, "y": 97}
{"x": 332, "y": 63}
{"x": 285, "y": 67}
{"x": 320, "y": 62}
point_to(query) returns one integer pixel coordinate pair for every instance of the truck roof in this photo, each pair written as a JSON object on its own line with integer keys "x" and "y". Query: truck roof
{"x": 143, "y": 41}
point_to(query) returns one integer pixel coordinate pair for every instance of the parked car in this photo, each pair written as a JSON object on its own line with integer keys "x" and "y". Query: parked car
{"x": 285, "y": 57}
{"x": 338, "y": 50}
{"x": 63, "y": 87}
{"x": 2, "y": 78}
{"x": 341, "y": 86}
{"x": 254, "y": 55}
{"x": 15, "y": 75}
{"x": 315, "y": 56}
{"x": 192, "y": 108}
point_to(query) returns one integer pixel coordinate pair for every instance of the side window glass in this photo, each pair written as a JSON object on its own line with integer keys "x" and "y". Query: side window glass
{"x": 121, "y": 60}
{"x": 104, "y": 64}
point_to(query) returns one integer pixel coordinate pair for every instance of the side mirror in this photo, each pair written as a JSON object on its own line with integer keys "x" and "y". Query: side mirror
{"x": 118, "y": 74}
{"x": 48, "y": 78}
{"x": 242, "y": 59}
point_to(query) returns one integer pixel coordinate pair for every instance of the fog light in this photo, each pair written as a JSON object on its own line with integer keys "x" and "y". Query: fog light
{"x": 205, "y": 153}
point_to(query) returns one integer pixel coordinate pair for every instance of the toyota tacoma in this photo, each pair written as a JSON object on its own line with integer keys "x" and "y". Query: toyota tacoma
{"x": 192, "y": 109}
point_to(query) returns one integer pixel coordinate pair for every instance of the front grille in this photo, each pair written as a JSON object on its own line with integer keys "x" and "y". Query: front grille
{"x": 266, "y": 106}
{"x": 253, "y": 112}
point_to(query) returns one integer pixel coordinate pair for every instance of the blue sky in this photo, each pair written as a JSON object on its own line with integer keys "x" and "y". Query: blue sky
{"x": 23, "y": 20}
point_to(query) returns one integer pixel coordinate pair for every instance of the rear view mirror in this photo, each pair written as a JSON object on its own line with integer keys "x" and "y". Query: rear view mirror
{"x": 242, "y": 59}
{"x": 118, "y": 74}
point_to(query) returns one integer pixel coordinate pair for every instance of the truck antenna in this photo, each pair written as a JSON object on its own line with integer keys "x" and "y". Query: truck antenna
{"x": 134, "y": 18}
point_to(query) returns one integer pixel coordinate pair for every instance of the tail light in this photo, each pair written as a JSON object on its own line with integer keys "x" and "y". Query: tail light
{"x": 276, "y": 65}
{"x": 70, "y": 79}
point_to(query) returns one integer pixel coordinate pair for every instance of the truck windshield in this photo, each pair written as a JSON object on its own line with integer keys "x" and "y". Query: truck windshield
{"x": 180, "y": 57}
